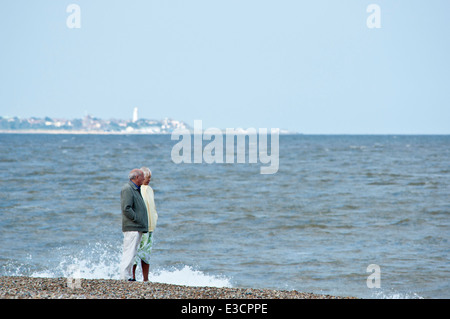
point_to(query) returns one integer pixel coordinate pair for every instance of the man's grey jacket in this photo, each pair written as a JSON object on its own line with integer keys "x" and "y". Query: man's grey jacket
{"x": 134, "y": 212}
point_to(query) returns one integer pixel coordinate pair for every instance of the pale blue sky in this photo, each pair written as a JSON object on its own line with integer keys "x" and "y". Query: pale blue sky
{"x": 307, "y": 66}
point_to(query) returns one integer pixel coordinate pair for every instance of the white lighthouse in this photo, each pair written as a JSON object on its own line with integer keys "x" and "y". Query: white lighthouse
{"x": 135, "y": 114}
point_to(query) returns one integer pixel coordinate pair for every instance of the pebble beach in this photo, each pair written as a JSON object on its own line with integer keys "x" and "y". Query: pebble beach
{"x": 20, "y": 287}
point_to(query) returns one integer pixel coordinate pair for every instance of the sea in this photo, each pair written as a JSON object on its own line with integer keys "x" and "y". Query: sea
{"x": 366, "y": 216}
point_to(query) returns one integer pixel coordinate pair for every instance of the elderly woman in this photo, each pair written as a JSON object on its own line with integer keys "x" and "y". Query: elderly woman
{"x": 145, "y": 247}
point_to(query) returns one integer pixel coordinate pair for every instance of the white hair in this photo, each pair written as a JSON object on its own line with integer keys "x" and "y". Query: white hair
{"x": 146, "y": 171}
{"x": 135, "y": 173}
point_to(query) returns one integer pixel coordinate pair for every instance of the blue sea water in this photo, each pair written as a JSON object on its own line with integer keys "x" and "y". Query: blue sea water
{"x": 336, "y": 205}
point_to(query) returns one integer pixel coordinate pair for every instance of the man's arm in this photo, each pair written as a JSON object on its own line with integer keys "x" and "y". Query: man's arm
{"x": 126, "y": 200}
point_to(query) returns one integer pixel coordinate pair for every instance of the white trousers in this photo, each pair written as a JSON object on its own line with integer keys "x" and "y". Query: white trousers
{"x": 131, "y": 241}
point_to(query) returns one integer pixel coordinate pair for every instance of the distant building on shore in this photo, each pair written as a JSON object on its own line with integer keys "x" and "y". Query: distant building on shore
{"x": 135, "y": 115}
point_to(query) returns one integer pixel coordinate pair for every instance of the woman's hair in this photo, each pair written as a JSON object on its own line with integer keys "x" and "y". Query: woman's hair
{"x": 146, "y": 171}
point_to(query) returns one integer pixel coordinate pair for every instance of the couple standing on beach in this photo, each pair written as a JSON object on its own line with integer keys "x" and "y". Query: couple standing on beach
{"x": 139, "y": 219}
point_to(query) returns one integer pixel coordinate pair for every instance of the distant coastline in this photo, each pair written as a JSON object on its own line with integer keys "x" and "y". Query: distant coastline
{"x": 88, "y": 125}
{"x": 97, "y": 126}
{"x": 79, "y": 132}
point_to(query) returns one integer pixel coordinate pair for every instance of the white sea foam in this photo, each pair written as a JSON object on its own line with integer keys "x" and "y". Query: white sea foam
{"x": 395, "y": 295}
{"x": 97, "y": 262}
{"x": 188, "y": 276}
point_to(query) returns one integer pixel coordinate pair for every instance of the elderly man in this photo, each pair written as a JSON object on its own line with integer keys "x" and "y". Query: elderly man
{"x": 134, "y": 221}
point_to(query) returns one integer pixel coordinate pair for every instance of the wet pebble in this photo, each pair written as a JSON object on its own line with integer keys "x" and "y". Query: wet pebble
{"x": 60, "y": 288}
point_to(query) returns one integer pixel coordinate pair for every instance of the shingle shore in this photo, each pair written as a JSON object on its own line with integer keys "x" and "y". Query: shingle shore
{"x": 60, "y": 288}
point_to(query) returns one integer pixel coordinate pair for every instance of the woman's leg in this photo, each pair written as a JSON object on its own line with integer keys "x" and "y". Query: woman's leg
{"x": 145, "y": 269}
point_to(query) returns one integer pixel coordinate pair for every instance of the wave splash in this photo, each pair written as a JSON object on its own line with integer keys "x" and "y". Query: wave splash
{"x": 97, "y": 262}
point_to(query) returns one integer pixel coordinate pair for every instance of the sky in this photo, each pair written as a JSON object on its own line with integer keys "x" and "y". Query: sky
{"x": 312, "y": 67}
